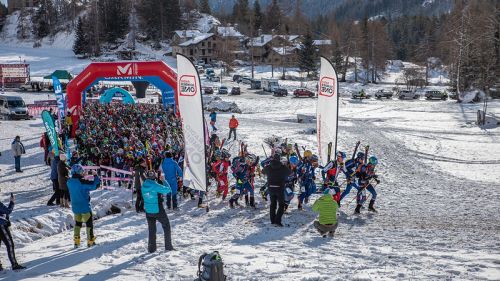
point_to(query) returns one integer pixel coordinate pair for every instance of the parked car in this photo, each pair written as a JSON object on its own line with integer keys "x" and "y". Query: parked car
{"x": 208, "y": 91}
{"x": 436, "y": 95}
{"x": 200, "y": 69}
{"x": 383, "y": 94}
{"x": 407, "y": 94}
{"x": 12, "y": 107}
{"x": 453, "y": 95}
{"x": 280, "y": 92}
{"x": 299, "y": 93}
{"x": 235, "y": 91}
{"x": 237, "y": 78}
{"x": 361, "y": 95}
{"x": 223, "y": 90}
{"x": 214, "y": 78}
{"x": 210, "y": 71}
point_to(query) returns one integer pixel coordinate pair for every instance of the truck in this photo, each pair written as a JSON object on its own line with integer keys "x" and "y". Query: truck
{"x": 269, "y": 85}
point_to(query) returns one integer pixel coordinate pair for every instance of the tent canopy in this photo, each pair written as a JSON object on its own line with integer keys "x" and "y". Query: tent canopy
{"x": 60, "y": 74}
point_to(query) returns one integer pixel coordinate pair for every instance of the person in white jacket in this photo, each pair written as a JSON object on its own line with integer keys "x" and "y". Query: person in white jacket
{"x": 17, "y": 150}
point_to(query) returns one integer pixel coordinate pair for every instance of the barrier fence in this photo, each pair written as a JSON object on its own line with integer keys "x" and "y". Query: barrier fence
{"x": 36, "y": 109}
{"x": 105, "y": 169}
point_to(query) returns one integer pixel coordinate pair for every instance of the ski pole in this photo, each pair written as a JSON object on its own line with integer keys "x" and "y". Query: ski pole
{"x": 265, "y": 153}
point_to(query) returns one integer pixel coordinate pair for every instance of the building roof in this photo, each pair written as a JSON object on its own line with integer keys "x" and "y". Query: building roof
{"x": 189, "y": 33}
{"x": 196, "y": 39}
{"x": 228, "y": 31}
{"x": 288, "y": 50}
{"x": 264, "y": 39}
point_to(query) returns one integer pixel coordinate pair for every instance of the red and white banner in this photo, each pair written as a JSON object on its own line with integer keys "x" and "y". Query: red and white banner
{"x": 191, "y": 111}
{"x": 327, "y": 110}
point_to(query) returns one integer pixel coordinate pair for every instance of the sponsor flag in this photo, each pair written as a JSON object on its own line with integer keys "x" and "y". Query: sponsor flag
{"x": 48, "y": 122}
{"x": 327, "y": 110}
{"x": 61, "y": 104}
{"x": 193, "y": 129}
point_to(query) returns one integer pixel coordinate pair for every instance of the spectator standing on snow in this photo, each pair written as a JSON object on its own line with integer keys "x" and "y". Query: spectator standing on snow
{"x": 152, "y": 192}
{"x": 54, "y": 177}
{"x": 213, "y": 119}
{"x": 277, "y": 175}
{"x": 172, "y": 173}
{"x": 18, "y": 150}
{"x": 69, "y": 123}
{"x": 233, "y": 124}
{"x": 5, "y": 236}
{"x": 45, "y": 144}
{"x": 327, "y": 208}
{"x": 62, "y": 178}
{"x": 79, "y": 190}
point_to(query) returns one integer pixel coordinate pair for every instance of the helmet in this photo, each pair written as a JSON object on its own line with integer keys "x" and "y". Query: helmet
{"x": 218, "y": 153}
{"x": 341, "y": 154}
{"x": 308, "y": 153}
{"x": 294, "y": 160}
{"x": 314, "y": 158}
{"x": 226, "y": 153}
{"x": 278, "y": 151}
{"x": 360, "y": 155}
{"x": 373, "y": 160}
{"x": 251, "y": 158}
{"x": 151, "y": 174}
{"x": 284, "y": 160}
{"x": 77, "y": 169}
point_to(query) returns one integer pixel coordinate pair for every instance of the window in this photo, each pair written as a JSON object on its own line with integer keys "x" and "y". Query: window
{"x": 203, "y": 52}
{"x": 209, "y": 51}
{"x": 191, "y": 52}
{"x": 209, "y": 44}
{"x": 214, "y": 45}
{"x": 203, "y": 43}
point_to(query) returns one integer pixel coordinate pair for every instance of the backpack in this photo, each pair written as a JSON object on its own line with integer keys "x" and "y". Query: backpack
{"x": 213, "y": 267}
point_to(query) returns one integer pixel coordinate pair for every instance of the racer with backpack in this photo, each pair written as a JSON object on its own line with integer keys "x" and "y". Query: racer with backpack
{"x": 366, "y": 173}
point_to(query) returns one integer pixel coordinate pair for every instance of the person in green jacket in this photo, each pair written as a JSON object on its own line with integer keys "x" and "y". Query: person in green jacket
{"x": 327, "y": 209}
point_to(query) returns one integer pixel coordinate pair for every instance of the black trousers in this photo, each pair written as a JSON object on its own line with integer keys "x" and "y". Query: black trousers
{"x": 6, "y": 238}
{"x": 233, "y": 130}
{"x": 165, "y": 223}
{"x": 57, "y": 193}
{"x": 277, "y": 198}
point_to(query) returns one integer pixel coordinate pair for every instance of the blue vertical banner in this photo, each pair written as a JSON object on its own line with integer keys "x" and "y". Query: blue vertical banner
{"x": 61, "y": 104}
{"x": 48, "y": 122}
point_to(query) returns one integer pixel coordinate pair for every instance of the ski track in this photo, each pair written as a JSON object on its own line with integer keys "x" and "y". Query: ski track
{"x": 433, "y": 223}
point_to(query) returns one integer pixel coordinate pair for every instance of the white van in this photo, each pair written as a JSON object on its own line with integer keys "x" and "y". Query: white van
{"x": 12, "y": 107}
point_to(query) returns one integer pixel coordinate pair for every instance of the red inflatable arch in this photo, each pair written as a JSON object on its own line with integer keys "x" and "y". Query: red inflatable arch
{"x": 125, "y": 71}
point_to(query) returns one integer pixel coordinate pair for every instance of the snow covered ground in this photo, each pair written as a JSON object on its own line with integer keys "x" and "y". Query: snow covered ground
{"x": 438, "y": 203}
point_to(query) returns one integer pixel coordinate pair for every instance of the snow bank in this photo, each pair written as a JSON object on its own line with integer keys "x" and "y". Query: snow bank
{"x": 216, "y": 103}
{"x": 34, "y": 226}
{"x": 472, "y": 96}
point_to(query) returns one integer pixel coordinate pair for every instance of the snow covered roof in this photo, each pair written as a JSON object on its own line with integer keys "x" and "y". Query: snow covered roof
{"x": 228, "y": 31}
{"x": 197, "y": 39}
{"x": 188, "y": 33}
{"x": 322, "y": 42}
{"x": 264, "y": 39}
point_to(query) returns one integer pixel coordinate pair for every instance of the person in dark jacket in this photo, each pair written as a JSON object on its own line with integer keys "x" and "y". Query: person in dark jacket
{"x": 5, "y": 235}
{"x": 277, "y": 174}
{"x": 17, "y": 150}
{"x": 62, "y": 178}
{"x": 152, "y": 192}
{"x": 55, "y": 182}
{"x": 139, "y": 178}
{"x": 79, "y": 190}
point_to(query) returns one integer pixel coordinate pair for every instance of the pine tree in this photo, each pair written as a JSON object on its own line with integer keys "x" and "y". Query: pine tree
{"x": 307, "y": 54}
{"x": 113, "y": 16}
{"x": 205, "y": 7}
{"x": 3, "y": 15}
{"x": 337, "y": 59}
{"x": 273, "y": 17}
{"x": 44, "y": 19}
{"x": 24, "y": 26}
{"x": 81, "y": 41}
{"x": 257, "y": 17}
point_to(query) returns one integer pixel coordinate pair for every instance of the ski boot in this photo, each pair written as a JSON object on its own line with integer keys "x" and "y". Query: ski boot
{"x": 358, "y": 209}
{"x": 252, "y": 202}
{"x": 370, "y": 207}
{"x": 231, "y": 203}
{"x": 247, "y": 202}
{"x": 1, "y": 268}
{"x": 331, "y": 233}
{"x": 76, "y": 242}
{"x": 300, "y": 207}
{"x": 17, "y": 267}
{"x": 91, "y": 242}
{"x": 218, "y": 194}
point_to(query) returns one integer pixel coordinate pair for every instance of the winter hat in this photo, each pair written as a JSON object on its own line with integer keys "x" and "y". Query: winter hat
{"x": 63, "y": 157}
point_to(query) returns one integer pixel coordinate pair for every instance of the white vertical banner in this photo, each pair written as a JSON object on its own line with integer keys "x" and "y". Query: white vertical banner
{"x": 191, "y": 111}
{"x": 327, "y": 110}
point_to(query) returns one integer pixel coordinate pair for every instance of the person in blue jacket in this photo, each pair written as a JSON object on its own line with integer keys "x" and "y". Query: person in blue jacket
{"x": 350, "y": 172}
{"x": 173, "y": 174}
{"x": 306, "y": 176}
{"x": 213, "y": 119}
{"x": 5, "y": 235}
{"x": 79, "y": 190}
{"x": 153, "y": 205}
